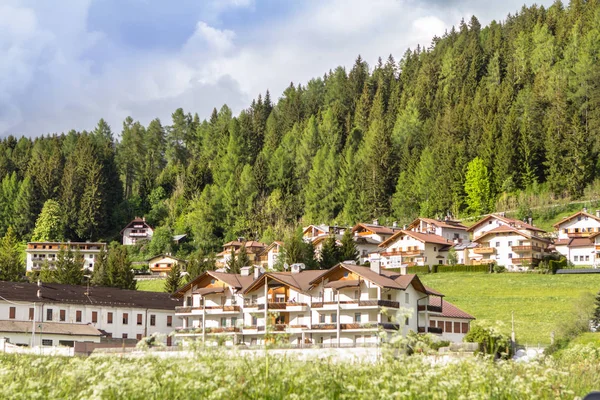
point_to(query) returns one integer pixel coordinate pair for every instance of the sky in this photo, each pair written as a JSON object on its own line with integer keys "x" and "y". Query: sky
{"x": 64, "y": 64}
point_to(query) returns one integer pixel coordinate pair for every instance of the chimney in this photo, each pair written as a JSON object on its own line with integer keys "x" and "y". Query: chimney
{"x": 375, "y": 222}
{"x": 395, "y": 224}
{"x": 245, "y": 271}
{"x": 241, "y": 239}
{"x": 257, "y": 271}
{"x": 584, "y": 209}
{"x": 376, "y": 265}
{"x": 530, "y": 221}
{"x": 39, "y": 294}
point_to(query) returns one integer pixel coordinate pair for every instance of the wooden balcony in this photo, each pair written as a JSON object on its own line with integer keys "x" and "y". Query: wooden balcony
{"x": 430, "y": 308}
{"x": 402, "y": 252}
{"x": 484, "y": 261}
{"x": 526, "y": 248}
{"x": 284, "y": 306}
{"x": 484, "y": 250}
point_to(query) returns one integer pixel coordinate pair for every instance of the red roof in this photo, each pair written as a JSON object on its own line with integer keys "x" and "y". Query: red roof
{"x": 377, "y": 229}
{"x": 449, "y": 310}
{"x": 441, "y": 224}
{"x": 423, "y": 237}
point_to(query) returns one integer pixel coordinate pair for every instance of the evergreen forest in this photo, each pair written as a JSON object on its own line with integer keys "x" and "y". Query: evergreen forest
{"x": 481, "y": 114}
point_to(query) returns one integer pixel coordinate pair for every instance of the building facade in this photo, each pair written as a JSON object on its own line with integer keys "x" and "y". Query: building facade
{"x": 576, "y": 237}
{"x": 136, "y": 231}
{"x": 161, "y": 264}
{"x": 40, "y": 253}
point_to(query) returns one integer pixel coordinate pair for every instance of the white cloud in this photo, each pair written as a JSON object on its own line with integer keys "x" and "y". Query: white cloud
{"x": 51, "y": 82}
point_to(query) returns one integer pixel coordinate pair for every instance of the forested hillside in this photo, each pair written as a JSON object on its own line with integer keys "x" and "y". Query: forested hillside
{"x": 482, "y": 113}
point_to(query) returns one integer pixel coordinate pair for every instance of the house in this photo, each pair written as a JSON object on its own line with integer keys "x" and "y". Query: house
{"x": 576, "y": 237}
{"x": 161, "y": 264}
{"x": 347, "y": 305}
{"x": 492, "y": 221}
{"x": 137, "y": 230}
{"x": 52, "y": 314}
{"x": 509, "y": 246}
{"x": 374, "y": 231}
{"x": 38, "y": 253}
{"x": 253, "y": 249}
{"x": 311, "y": 232}
{"x": 269, "y": 256}
{"x": 407, "y": 248}
{"x": 448, "y": 229}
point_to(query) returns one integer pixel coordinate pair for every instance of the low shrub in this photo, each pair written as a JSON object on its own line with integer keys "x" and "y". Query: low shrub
{"x": 418, "y": 269}
{"x": 462, "y": 268}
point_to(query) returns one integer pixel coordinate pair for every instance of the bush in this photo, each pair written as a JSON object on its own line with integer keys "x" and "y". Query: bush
{"x": 490, "y": 339}
{"x": 499, "y": 269}
{"x": 418, "y": 269}
{"x": 462, "y": 268}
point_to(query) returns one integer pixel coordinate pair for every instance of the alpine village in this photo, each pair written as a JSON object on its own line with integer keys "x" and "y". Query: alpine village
{"x": 421, "y": 227}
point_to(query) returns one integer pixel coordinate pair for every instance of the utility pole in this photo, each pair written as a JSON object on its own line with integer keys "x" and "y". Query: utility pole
{"x": 512, "y": 334}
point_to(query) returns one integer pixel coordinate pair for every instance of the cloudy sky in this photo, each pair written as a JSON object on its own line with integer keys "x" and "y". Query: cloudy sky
{"x": 64, "y": 64}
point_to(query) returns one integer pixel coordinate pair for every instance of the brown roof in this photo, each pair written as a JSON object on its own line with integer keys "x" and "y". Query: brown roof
{"x": 441, "y": 224}
{"x": 423, "y": 237}
{"x": 248, "y": 244}
{"x": 449, "y": 310}
{"x": 209, "y": 290}
{"x": 378, "y": 229}
{"x": 561, "y": 242}
{"x": 501, "y": 229}
{"x": 580, "y": 242}
{"x": 342, "y": 284}
{"x": 577, "y": 214}
{"x": 136, "y": 221}
{"x": 506, "y": 220}
{"x": 301, "y": 281}
{"x": 236, "y": 281}
{"x": 97, "y": 295}
{"x": 166, "y": 255}
{"x": 57, "y": 328}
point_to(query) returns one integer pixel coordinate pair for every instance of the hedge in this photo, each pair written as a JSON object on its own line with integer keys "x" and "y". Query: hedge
{"x": 418, "y": 269}
{"x": 433, "y": 269}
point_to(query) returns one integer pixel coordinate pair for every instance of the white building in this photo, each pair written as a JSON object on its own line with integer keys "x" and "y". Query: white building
{"x": 117, "y": 313}
{"x": 408, "y": 248}
{"x": 577, "y": 235}
{"x": 137, "y": 230}
{"x": 38, "y": 253}
{"x": 312, "y": 232}
{"x": 448, "y": 229}
{"x": 346, "y": 305}
{"x": 270, "y": 255}
{"x": 161, "y": 264}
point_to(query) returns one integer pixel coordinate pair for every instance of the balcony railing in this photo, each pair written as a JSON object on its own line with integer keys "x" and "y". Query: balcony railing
{"x": 283, "y": 306}
{"x": 138, "y": 234}
{"x": 189, "y": 309}
{"x": 484, "y": 250}
{"x": 526, "y": 248}
{"x": 430, "y": 329}
{"x": 361, "y": 303}
{"x": 431, "y": 308}
{"x": 483, "y": 262}
{"x": 356, "y": 325}
{"x": 183, "y": 310}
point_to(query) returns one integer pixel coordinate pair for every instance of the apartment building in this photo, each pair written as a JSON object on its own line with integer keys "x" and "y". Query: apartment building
{"x": 38, "y": 253}
{"x": 344, "y": 306}
{"x": 78, "y": 312}
{"x": 253, "y": 249}
{"x": 448, "y": 229}
{"x": 577, "y": 236}
{"x": 136, "y": 231}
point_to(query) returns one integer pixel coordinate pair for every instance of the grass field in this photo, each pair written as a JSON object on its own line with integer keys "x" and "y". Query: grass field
{"x": 539, "y": 302}
{"x": 155, "y": 285}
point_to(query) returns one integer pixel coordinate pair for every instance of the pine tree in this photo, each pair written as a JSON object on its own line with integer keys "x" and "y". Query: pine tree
{"x": 12, "y": 267}
{"x": 173, "y": 281}
{"x": 47, "y": 275}
{"x": 348, "y": 251}
{"x": 69, "y": 267}
{"x": 330, "y": 253}
{"x": 100, "y": 275}
{"x": 477, "y": 187}
{"x": 198, "y": 264}
{"x": 232, "y": 264}
{"x": 242, "y": 260}
{"x": 120, "y": 274}
{"x": 49, "y": 225}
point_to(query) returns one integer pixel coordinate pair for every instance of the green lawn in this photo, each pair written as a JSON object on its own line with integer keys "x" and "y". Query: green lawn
{"x": 155, "y": 285}
{"x": 540, "y": 302}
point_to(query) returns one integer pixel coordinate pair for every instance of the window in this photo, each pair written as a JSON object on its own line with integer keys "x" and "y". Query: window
{"x": 357, "y": 317}
{"x": 169, "y": 320}
{"x": 440, "y": 325}
{"x": 334, "y": 318}
{"x": 125, "y": 318}
{"x": 152, "y": 319}
{"x": 254, "y": 299}
{"x": 31, "y": 314}
{"x": 509, "y": 255}
{"x": 109, "y": 318}
{"x": 68, "y": 343}
{"x": 406, "y": 321}
{"x": 432, "y": 323}
{"x": 139, "y": 319}
{"x": 78, "y": 316}
{"x": 509, "y": 243}
{"x": 254, "y": 320}
{"x": 322, "y": 318}
{"x": 49, "y": 314}
{"x": 489, "y": 222}
{"x": 233, "y": 321}
{"x": 389, "y": 296}
{"x": 138, "y": 336}
{"x": 46, "y": 342}
{"x": 448, "y": 327}
{"x": 407, "y": 298}
{"x": 169, "y": 341}
{"x": 465, "y": 327}
{"x": 63, "y": 315}
{"x": 456, "y": 327}
{"x": 124, "y": 336}
{"x": 587, "y": 258}
{"x": 345, "y": 274}
{"x": 223, "y": 322}
{"x": 434, "y": 248}
{"x": 576, "y": 258}
{"x": 12, "y": 311}
{"x": 94, "y": 316}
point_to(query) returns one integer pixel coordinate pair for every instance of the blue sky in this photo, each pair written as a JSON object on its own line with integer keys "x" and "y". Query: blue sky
{"x": 64, "y": 64}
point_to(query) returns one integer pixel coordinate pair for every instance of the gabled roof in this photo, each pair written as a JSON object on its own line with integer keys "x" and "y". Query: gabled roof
{"x": 377, "y": 229}
{"x": 576, "y": 242}
{"x": 449, "y": 310}
{"x": 517, "y": 223}
{"x": 442, "y": 224}
{"x": 423, "y": 237}
{"x": 577, "y": 214}
{"x": 325, "y": 237}
{"x": 137, "y": 221}
{"x": 269, "y": 247}
{"x": 164, "y": 255}
{"x": 236, "y": 281}
{"x": 247, "y": 244}
{"x": 299, "y": 281}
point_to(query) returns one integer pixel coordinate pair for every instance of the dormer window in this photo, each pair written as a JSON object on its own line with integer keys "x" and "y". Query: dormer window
{"x": 212, "y": 281}
{"x": 345, "y": 274}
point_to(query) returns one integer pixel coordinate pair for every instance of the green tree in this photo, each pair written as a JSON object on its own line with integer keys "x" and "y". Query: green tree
{"x": 12, "y": 267}
{"x": 162, "y": 241}
{"x": 69, "y": 267}
{"x": 232, "y": 264}
{"x": 348, "y": 251}
{"x": 119, "y": 271}
{"x": 198, "y": 264}
{"x": 452, "y": 256}
{"x": 23, "y": 218}
{"x": 477, "y": 187}
{"x": 100, "y": 273}
{"x": 330, "y": 253}
{"x": 242, "y": 259}
{"x": 49, "y": 225}
{"x": 173, "y": 281}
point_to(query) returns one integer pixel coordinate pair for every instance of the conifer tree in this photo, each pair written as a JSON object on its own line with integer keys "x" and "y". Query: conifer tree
{"x": 12, "y": 267}
{"x": 242, "y": 260}
{"x": 173, "y": 281}
{"x": 348, "y": 251}
{"x": 120, "y": 274}
{"x": 330, "y": 253}
{"x": 100, "y": 273}
{"x": 49, "y": 225}
{"x": 69, "y": 267}
{"x": 477, "y": 187}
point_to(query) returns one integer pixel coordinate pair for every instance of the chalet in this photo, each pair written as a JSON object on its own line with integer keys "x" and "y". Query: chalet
{"x": 512, "y": 247}
{"x": 161, "y": 264}
{"x": 347, "y": 305}
{"x": 52, "y": 314}
{"x": 578, "y": 225}
{"x": 253, "y": 249}
{"x": 39, "y": 253}
{"x": 269, "y": 256}
{"x": 312, "y": 232}
{"x": 493, "y": 221}
{"x": 448, "y": 228}
{"x": 407, "y": 248}
{"x": 136, "y": 231}
{"x": 374, "y": 231}
{"x": 577, "y": 235}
